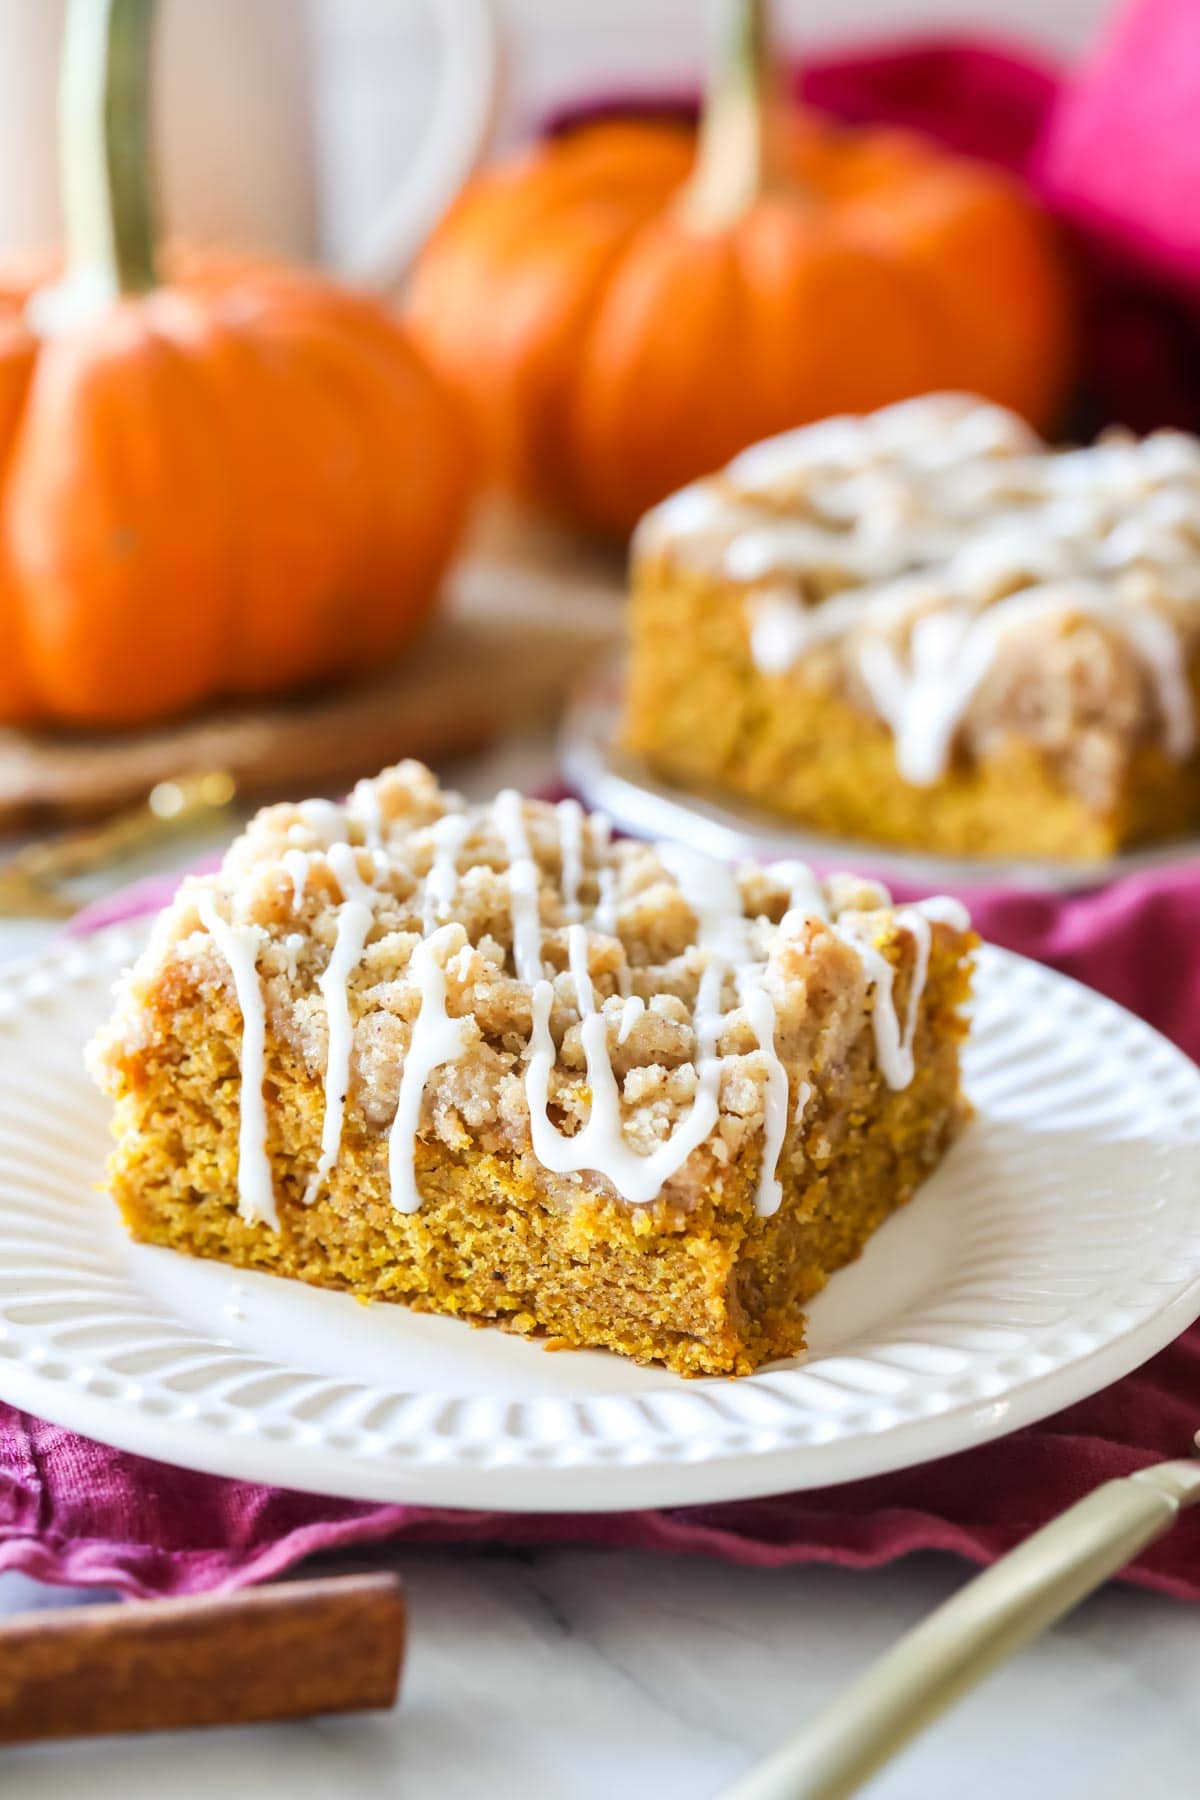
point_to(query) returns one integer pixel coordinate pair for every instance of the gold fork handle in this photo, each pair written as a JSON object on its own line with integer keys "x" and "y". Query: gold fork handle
{"x": 29, "y": 879}
{"x": 172, "y": 805}
{"x": 987, "y": 1621}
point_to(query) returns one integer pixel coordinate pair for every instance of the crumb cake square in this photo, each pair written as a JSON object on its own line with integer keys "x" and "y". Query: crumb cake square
{"x": 486, "y": 1061}
{"x": 925, "y": 628}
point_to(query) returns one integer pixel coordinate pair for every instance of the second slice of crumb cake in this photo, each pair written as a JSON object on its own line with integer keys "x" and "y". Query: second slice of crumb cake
{"x": 926, "y": 628}
{"x": 487, "y": 1062}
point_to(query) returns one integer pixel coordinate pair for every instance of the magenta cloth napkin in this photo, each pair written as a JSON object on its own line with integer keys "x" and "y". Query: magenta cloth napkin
{"x": 1123, "y": 155}
{"x": 77, "y": 1512}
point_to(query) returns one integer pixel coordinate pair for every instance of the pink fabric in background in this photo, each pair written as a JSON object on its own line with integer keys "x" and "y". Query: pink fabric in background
{"x": 76, "y": 1511}
{"x": 1123, "y": 153}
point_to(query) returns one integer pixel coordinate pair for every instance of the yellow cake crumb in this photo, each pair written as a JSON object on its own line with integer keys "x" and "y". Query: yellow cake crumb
{"x": 925, "y": 629}
{"x": 701, "y": 1276}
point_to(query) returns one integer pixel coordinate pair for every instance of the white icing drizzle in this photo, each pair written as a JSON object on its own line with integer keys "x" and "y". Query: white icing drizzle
{"x": 943, "y": 909}
{"x": 365, "y": 810}
{"x": 893, "y": 1041}
{"x": 760, "y": 1010}
{"x": 570, "y": 837}
{"x": 326, "y": 820}
{"x": 631, "y": 1012}
{"x": 700, "y": 507}
{"x": 1010, "y": 542}
{"x": 343, "y": 862}
{"x": 1158, "y": 645}
{"x": 523, "y": 882}
{"x": 441, "y": 884}
{"x": 950, "y": 654}
{"x": 353, "y": 923}
{"x": 600, "y": 1144}
{"x": 805, "y": 894}
{"x": 792, "y": 548}
{"x": 604, "y": 918}
{"x": 711, "y": 890}
{"x": 239, "y": 945}
{"x": 436, "y": 1039}
{"x": 783, "y": 629}
{"x": 934, "y": 431}
{"x": 914, "y": 921}
{"x": 296, "y": 865}
{"x": 729, "y": 943}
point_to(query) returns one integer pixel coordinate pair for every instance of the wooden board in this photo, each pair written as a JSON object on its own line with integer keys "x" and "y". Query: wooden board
{"x": 527, "y": 612}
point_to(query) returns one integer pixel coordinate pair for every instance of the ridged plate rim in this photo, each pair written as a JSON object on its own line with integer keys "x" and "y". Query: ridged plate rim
{"x": 75, "y": 1316}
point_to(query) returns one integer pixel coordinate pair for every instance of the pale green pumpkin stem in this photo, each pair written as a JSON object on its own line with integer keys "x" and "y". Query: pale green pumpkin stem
{"x": 104, "y": 129}
{"x": 733, "y": 152}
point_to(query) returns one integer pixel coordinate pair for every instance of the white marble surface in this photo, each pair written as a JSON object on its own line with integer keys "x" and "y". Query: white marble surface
{"x": 579, "y": 1675}
{"x": 582, "y": 1675}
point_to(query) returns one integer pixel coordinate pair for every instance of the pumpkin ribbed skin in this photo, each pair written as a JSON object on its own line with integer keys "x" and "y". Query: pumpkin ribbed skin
{"x": 232, "y": 485}
{"x": 612, "y": 350}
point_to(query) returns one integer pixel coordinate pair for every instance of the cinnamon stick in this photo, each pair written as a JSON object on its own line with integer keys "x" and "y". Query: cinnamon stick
{"x": 282, "y": 1652}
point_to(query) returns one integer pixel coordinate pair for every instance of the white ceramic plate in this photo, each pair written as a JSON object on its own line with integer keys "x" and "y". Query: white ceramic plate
{"x": 1057, "y": 1248}
{"x": 638, "y": 801}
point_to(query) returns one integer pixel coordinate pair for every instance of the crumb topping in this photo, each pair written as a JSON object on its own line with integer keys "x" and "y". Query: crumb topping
{"x": 940, "y": 565}
{"x": 509, "y": 977}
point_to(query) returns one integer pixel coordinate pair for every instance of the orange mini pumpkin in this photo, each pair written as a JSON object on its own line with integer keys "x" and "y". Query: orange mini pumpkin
{"x": 229, "y": 485}
{"x": 625, "y": 314}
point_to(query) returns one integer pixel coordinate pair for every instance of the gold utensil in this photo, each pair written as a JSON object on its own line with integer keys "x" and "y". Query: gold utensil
{"x": 993, "y": 1616}
{"x": 29, "y": 880}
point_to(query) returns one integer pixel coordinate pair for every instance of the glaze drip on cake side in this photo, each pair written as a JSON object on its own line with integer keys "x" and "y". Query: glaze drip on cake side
{"x": 239, "y": 945}
{"x": 576, "y": 910}
{"x": 928, "y": 546}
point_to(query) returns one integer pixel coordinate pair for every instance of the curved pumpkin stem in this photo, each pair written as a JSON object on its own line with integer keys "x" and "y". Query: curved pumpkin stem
{"x": 104, "y": 124}
{"x": 104, "y": 146}
{"x": 733, "y": 154}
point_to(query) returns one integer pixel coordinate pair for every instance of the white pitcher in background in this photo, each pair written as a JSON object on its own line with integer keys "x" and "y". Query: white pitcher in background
{"x": 234, "y": 126}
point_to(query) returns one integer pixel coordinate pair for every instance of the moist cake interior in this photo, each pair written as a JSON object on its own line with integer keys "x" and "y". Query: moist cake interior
{"x": 488, "y": 1061}
{"x": 923, "y": 627}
